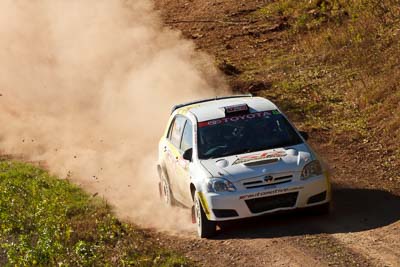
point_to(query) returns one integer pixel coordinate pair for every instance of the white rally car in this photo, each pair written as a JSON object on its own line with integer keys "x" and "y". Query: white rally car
{"x": 235, "y": 157}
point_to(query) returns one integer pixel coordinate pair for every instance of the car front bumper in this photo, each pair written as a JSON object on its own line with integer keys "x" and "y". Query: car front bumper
{"x": 269, "y": 199}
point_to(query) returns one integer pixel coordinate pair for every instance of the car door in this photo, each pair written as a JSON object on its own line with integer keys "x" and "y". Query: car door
{"x": 172, "y": 150}
{"x": 182, "y": 168}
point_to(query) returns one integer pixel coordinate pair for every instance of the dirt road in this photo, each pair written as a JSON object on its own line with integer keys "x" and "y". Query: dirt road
{"x": 364, "y": 226}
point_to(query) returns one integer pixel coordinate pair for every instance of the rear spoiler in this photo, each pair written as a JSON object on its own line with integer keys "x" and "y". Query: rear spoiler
{"x": 207, "y": 100}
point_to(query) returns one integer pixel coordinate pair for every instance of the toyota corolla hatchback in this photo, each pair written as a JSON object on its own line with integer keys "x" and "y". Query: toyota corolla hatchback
{"x": 235, "y": 157}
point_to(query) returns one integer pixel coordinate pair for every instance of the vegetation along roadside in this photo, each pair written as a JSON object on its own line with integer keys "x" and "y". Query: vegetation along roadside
{"x": 48, "y": 221}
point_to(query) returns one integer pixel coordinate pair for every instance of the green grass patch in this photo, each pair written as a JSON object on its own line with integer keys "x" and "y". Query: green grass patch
{"x": 48, "y": 221}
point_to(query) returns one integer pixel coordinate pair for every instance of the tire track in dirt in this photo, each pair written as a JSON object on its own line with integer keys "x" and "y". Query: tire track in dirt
{"x": 381, "y": 245}
{"x": 372, "y": 209}
{"x": 239, "y": 252}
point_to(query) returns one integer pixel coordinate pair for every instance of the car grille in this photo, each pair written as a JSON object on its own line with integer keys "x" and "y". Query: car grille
{"x": 257, "y": 205}
{"x": 267, "y": 180}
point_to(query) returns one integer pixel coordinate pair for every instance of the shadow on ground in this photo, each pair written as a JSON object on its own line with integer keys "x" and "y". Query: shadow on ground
{"x": 354, "y": 210}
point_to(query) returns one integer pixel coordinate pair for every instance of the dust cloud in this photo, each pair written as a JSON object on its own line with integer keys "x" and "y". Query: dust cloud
{"x": 87, "y": 87}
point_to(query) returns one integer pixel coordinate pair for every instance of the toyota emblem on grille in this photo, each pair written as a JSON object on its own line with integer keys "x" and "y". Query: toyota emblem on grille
{"x": 268, "y": 178}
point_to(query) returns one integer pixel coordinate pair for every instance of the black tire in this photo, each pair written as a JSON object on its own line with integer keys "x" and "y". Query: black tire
{"x": 165, "y": 190}
{"x": 323, "y": 209}
{"x": 205, "y": 227}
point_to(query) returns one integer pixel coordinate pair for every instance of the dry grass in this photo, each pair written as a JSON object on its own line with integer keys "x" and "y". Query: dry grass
{"x": 366, "y": 47}
{"x": 336, "y": 68}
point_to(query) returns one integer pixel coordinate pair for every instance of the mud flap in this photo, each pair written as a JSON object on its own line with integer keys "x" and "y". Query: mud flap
{"x": 193, "y": 215}
{"x": 160, "y": 190}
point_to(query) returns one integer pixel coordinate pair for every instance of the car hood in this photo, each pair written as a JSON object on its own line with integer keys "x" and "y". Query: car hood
{"x": 280, "y": 160}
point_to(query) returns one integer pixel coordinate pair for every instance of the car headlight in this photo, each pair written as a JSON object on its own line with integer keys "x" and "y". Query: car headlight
{"x": 311, "y": 169}
{"x": 220, "y": 185}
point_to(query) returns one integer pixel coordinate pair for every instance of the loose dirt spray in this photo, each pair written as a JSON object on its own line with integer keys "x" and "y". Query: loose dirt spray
{"x": 87, "y": 86}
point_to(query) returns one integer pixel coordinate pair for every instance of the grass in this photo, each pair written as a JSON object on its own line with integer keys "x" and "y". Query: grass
{"x": 48, "y": 221}
{"x": 341, "y": 71}
{"x": 306, "y": 14}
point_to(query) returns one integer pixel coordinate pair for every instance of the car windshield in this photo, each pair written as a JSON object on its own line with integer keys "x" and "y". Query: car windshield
{"x": 245, "y": 133}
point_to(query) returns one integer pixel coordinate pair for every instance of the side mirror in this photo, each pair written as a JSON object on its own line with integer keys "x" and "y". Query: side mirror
{"x": 187, "y": 155}
{"x": 304, "y": 134}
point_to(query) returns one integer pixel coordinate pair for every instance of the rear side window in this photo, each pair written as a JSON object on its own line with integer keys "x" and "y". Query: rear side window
{"x": 187, "y": 138}
{"x": 176, "y": 131}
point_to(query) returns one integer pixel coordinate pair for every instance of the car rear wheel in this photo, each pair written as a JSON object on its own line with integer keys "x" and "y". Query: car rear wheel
{"x": 205, "y": 227}
{"x": 165, "y": 190}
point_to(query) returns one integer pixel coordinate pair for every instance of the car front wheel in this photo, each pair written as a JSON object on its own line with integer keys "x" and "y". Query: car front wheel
{"x": 205, "y": 227}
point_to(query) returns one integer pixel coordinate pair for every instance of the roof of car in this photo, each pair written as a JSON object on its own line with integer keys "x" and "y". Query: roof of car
{"x": 213, "y": 109}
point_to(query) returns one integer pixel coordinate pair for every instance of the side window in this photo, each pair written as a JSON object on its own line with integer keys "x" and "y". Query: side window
{"x": 187, "y": 138}
{"x": 176, "y": 131}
